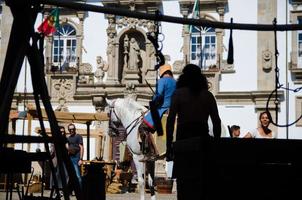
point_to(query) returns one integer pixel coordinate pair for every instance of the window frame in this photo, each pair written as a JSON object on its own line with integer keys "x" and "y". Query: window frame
{"x": 208, "y": 37}
{"x": 64, "y": 42}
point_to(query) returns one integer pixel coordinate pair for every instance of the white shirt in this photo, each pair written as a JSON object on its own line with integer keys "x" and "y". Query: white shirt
{"x": 255, "y": 134}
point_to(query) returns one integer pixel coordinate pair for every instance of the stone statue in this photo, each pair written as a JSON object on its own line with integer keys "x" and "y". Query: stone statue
{"x": 100, "y": 71}
{"x": 134, "y": 53}
{"x": 110, "y": 43}
{"x": 126, "y": 52}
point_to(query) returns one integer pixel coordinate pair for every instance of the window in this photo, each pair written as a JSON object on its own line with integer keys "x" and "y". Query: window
{"x": 299, "y": 39}
{"x": 203, "y": 46}
{"x": 64, "y": 47}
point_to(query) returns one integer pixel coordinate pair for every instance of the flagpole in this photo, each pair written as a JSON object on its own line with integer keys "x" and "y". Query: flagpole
{"x": 60, "y": 66}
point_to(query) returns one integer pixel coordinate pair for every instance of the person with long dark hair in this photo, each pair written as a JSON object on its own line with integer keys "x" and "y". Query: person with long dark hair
{"x": 193, "y": 104}
{"x": 263, "y": 131}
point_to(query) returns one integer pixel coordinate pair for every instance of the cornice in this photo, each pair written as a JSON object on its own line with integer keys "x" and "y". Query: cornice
{"x": 245, "y": 97}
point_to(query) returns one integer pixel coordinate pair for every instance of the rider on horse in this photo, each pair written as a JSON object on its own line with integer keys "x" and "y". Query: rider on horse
{"x": 161, "y": 100}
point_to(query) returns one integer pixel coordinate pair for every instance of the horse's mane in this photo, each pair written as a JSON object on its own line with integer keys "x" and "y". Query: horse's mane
{"x": 130, "y": 105}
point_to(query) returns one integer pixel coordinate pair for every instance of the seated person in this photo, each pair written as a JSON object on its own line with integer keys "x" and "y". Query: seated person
{"x": 235, "y": 131}
{"x": 263, "y": 131}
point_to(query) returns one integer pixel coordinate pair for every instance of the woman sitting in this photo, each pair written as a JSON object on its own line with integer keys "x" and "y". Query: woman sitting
{"x": 263, "y": 131}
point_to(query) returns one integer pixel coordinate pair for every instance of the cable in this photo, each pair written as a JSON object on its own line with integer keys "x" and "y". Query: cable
{"x": 278, "y": 86}
{"x": 166, "y": 18}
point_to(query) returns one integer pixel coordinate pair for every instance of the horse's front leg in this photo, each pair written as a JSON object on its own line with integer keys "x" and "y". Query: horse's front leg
{"x": 150, "y": 171}
{"x": 140, "y": 167}
{"x": 151, "y": 186}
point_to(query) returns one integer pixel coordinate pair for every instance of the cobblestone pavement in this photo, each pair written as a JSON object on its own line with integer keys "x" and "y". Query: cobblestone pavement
{"x": 126, "y": 196}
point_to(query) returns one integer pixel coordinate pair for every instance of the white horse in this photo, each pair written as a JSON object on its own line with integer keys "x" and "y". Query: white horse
{"x": 130, "y": 113}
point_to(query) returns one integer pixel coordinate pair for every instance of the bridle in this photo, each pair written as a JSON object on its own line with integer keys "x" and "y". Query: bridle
{"x": 113, "y": 124}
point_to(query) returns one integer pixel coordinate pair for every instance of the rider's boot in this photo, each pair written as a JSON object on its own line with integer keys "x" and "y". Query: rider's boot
{"x": 152, "y": 153}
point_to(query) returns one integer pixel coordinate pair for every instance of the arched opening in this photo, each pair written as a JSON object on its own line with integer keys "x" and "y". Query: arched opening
{"x": 127, "y": 59}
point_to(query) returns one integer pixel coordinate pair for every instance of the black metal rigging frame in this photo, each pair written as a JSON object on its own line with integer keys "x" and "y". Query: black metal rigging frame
{"x": 23, "y": 42}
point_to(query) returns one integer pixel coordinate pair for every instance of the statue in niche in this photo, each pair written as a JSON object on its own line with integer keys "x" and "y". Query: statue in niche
{"x": 267, "y": 60}
{"x": 134, "y": 53}
{"x": 126, "y": 52}
{"x": 101, "y": 69}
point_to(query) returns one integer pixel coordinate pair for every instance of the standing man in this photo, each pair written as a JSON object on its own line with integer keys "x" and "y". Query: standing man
{"x": 75, "y": 150}
{"x": 55, "y": 164}
{"x": 162, "y": 100}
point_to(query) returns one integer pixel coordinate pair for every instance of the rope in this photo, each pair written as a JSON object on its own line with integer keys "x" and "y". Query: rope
{"x": 278, "y": 86}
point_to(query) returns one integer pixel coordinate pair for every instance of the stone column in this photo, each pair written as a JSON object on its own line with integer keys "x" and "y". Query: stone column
{"x": 112, "y": 51}
{"x": 48, "y": 52}
{"x": 219, "y": 36}
{"x": 267, "y": 11}
{"x": 6, "y": 24}
{"x": 80, "y": 36}
{"x": 186, "y": 38}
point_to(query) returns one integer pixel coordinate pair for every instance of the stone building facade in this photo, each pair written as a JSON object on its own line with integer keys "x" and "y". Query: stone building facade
{"x": 129, "y": 62}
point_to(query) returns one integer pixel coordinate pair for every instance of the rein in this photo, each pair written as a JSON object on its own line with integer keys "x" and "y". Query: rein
{"x": 135, "y": 122}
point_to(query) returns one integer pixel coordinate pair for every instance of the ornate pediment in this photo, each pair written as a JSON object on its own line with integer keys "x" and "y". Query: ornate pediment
{"x": 133, "y": 23}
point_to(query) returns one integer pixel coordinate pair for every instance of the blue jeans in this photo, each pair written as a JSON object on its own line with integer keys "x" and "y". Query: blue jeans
{"x": 75, "y": 160}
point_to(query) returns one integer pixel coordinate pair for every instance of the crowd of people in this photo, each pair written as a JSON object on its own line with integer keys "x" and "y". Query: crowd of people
{"x": 189, "y": 103}
{"x": 75, "y": 148}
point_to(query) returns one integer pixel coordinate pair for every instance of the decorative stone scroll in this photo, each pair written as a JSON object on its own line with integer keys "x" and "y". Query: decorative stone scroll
{"x": 62, "y": 88}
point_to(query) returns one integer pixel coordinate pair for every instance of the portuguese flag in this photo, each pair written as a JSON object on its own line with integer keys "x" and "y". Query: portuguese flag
{"x": 50, "y": 24}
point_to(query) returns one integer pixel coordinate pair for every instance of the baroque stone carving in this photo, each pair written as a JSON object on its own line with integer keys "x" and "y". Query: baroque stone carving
{"x": 267, "y": 60}
{"x": 62, "y": 105}
{"x": 178, "y": 66}
{"x": 83, "y": 79}
{"x": 133, "y": 22}
{"x": 85, "y": 68}
{"x": 62, "y": 88}
{"x": 130, "y": 91}
{"x": 130, "y": 22}
{"x": 111, "y": 35}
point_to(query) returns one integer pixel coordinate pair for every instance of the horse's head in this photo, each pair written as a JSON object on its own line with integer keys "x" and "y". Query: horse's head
{"x": 114, "y": 120}
{"x": 124, "y": 112}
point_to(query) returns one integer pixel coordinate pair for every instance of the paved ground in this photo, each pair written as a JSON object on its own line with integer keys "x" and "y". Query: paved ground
{"x": 127, "y": 196}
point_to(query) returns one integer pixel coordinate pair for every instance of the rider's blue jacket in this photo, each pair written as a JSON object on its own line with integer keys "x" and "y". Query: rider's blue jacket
{"x": 166, "y": 87}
